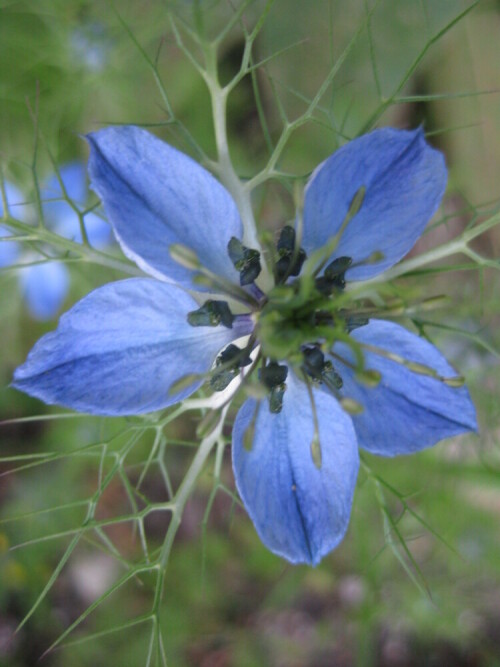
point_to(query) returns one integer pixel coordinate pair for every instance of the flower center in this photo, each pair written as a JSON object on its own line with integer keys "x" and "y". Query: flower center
{"x": 309, "y": 311}
{"x": 298, "y": 321}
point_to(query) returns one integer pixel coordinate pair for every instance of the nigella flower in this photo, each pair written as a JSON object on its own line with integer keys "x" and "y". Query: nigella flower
{"x": 90, "y": 46}
{"x": 45, "y": 283}
{"x": 315, "y": 355}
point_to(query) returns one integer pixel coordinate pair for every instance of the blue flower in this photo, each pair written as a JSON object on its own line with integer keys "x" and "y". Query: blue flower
{"x": 45, "y": 284}
{"x": 90, "y": 46}
{"x": 122, "y": 349}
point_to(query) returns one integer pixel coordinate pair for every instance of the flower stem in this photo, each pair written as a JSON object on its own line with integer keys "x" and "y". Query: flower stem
{"x": 227, "y": 173}
{"x": 454, "y": 247}
{"x": 81, "y": 251}
{"x": 186, "y": 488}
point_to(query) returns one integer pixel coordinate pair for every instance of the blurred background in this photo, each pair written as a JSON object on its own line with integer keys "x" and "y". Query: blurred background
{"x": 68, "y": 67}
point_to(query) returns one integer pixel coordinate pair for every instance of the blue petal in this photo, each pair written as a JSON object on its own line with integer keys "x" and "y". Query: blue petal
{"x": 16, "y": 203}
{"x": 61, "y": 217}
{"x": 44, "y": 287}
{"x": 9, "y": 250}
{"x": 300, "y": 511}
{"x": 68, "y": 225}
{"x": 406, "y": 412}
{"x": 119, "y": 350}
{"x": 90, "y": 46}
{"x": 155, "y": 196}
{"x": 98, "y": 231}
{"x": 405, "y": 180}
{"x": 73, "y": 175}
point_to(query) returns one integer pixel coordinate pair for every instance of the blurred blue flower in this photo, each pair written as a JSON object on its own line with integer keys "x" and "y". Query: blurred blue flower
{"x": 90, "y": 46}
{"x": 44, "y": 283}
{"x": 9, "y": 250}
{"x": 295, "y": 456}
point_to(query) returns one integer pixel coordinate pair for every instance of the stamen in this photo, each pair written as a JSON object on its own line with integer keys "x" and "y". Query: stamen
{"x": 354, "y": 321}
{"x": 415, "y": 367}
{"x": 223, "y": 379}
{"x": 273, "y": 377}
{"x": 323, "y": 371}
{"x": 291, "y": 256}
{"x": 369, "y": 377}
{"x": 231, "y": 358}
{"x": 249, "y": 434}
{"x": 211, "y": 314}
{"x": 331, "y": 378}
{"x": 189, "y": 259}
{"x": 184, "y": 382}
{"x": 374, "y": 258}
{"x": 221, "y": 399}
{"x": 314, "y": 361}
{"x": 234, "y": 354}
{"x": 393, "y": 307}
{"x": 230, "y": 361}
{"x": 320, "y": 257}
{"x": 266, "y": 239}
{"x": 333, "y": 278}
{"x": 338, "y": 267}
{"x": 184, "y": 256}
{"x": 351, "y": 406}
{"x": 245, "y": 260}
{"x": 356, "y": 349}
{"x": 273, "y": 374}
{"x": 276, "y": 398}
{"x": 315, "y": 442}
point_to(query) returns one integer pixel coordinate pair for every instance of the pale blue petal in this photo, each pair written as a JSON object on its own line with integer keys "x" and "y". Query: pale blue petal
{"x": 406, "y": 412}
{"x": 300, "y": 512}
{"x": 90, "y": 46}
{"x": 119, "y": 350}
{"x": 44, "y": 288}
{"x": 405, "y": 180}
{"x": 98, "y": 230}
{"x": 74, "y": 177}
{"x": 18, "y": 208}
{"x": 62, "y": 218}
{"x": 9, "y": 250}
{"x": 59, "y": 215}
{"x": 155, "y": 196}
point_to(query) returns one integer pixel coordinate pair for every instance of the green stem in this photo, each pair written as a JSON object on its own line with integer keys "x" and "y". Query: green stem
{"x": 186, "y": 488}
{"x": 84, "y": 252}
{"x": 226, "y": 169}
{"x": 454, "y": 247}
